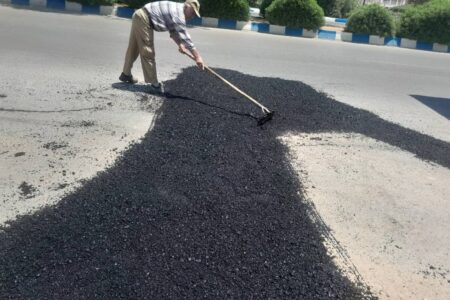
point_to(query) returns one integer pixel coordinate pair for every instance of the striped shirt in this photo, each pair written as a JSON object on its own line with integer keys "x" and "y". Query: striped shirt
{"x": 169, "y": 16}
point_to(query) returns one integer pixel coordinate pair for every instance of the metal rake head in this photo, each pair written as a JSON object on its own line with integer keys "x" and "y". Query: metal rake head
{"x": 266, "y": 118}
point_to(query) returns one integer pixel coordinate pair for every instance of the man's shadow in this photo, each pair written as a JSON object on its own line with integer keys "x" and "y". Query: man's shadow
{"x": 143, "y": 88}
{"x": 206, "y": 206}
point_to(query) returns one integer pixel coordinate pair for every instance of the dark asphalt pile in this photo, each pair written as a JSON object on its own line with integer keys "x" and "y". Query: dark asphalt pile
{"x": 205, "y": 207}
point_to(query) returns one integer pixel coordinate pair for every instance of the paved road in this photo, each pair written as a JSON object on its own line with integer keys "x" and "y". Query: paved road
{"x": 394, "y": 83}
{"x": 64, "y": 121}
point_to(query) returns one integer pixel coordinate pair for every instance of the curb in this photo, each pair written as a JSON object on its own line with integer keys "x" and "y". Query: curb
{"x": 126, "y": 12}
{"x": 337, "y": 22}
{"x": 322, "y": 34}
{"x": 62, "y": 5}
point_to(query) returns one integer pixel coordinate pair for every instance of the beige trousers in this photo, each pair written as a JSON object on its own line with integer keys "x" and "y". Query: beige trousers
{"x": 141, "y": 43}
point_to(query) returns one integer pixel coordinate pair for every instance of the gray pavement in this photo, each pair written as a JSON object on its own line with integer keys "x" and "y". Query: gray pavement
{"x": 387, "y": 81}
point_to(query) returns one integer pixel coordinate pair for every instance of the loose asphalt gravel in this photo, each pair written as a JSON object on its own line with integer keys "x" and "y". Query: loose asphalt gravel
{"x": 206, "y": 206}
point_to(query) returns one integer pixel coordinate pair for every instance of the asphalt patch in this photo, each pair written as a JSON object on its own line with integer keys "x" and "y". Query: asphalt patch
{"x": 82, "y": 123}
{"x": 62, "y": 186}
{"x": 54, "y": 146}
{"x": 206, "y": 206}
{"x": 27, "y": 190}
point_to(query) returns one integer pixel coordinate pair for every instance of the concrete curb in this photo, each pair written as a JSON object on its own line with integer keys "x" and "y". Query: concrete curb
{"x": 62, "y": 5}
{"x": 337, "y": 22}
{"x": 125, "y": 12}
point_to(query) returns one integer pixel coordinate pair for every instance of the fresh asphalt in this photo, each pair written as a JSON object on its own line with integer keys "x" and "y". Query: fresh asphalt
{"x": 204, "y": 207}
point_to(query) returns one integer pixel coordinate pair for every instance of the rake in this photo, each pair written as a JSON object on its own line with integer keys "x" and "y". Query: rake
{"x": 268, "y": 115}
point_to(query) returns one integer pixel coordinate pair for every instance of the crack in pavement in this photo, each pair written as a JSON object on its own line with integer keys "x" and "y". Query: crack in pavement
{"x": 49, "y": 111}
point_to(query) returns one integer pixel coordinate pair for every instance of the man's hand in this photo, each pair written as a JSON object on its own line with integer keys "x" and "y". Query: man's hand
{"x": 182, "y": 48}
{"x": 200, "y": 63}
{"x": 194, "y": 55}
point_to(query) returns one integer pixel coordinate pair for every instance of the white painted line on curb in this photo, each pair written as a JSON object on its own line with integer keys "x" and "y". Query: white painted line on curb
{"x": 275, "y": 29}
{"x": 376, "y": 40}
{"x": 38, "y": 3}
{"x": 309, "y": 33}
{"x": 243, "y": 25}
{"x": 106, "y": 10}
{"x": 440, "y": 47}
{"x": 72, "y": 6}
{"x": 407, "y": 43}
{"x": 210, "y": 22}
{"x": 346, "y": 36}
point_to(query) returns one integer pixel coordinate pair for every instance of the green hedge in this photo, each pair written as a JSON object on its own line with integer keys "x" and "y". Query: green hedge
{"x": 225, "y": 9}
{"x": 344, "y": 8}
{"x": 253, "y": 3}
{"x": 371, "y": 19}
{"x": 95, "y": 2}
{"x": 135, "y": 3}
{"x": 296, "y": 13}
{"x": 429, "y": 22}
{"x": 327, "y": 6}
{"x": 416, "y": 2}
{"x": 264, "y": 5}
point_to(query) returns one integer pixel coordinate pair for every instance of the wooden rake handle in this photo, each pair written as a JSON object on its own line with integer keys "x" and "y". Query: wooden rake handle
{"x": 264, "y": 109}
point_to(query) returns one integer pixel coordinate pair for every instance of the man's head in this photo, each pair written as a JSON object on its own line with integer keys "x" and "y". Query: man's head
{"x": 191, "y": 9}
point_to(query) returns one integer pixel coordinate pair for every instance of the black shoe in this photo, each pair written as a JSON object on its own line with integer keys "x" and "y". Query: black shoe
{"x": 127, "y": 78}
{"x": 156, "y": 89}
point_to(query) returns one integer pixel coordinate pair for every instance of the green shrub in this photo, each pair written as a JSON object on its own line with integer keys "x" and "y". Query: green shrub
{"x": 343, "y": 8}
{"x": 296, "y": 13}
{"x": 225, "y": 9}
{"x": 264, "y": 5}
{"x": 399, "y": 9}
{"x": 371, "y": 19}
{"x": 253, "y": 3}
{"x": 95, "y": 2}
{"x": 429, "y": 22}
{"x": 396, "y": 13}
{"x": 327, "y": 6}
{"x": 135, "y": 3}
{"x": 418, "y": 2}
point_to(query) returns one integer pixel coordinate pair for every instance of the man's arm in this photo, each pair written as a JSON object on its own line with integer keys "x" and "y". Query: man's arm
{"x": 198, "y": 59}
{"x": 183, "y": 49}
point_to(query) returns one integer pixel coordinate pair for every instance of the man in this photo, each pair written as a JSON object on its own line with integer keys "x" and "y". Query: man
{"x": 159, "y": 16}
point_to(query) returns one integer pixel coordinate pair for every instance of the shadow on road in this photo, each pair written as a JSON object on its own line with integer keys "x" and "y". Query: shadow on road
{"x": 206, "y": 206}
{"x": 142, "y": 88}
{"x": 439, "y": 105}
